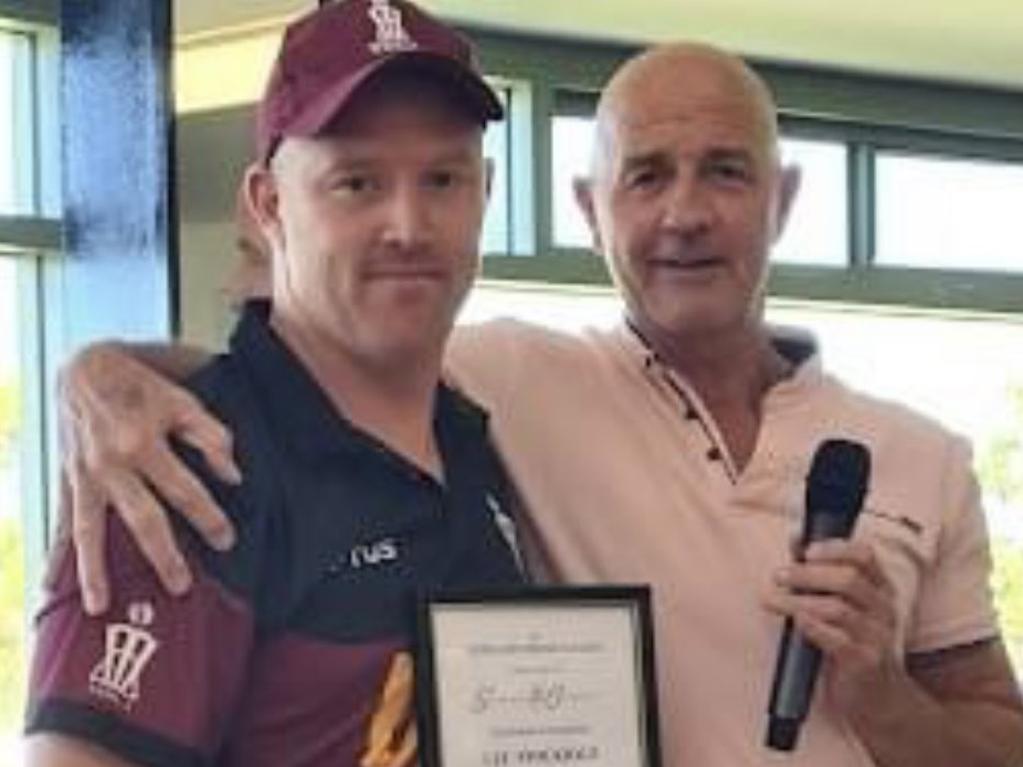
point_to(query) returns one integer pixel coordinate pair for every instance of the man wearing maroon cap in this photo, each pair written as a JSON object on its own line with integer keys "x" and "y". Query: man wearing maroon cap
{"x": 364, "y": 476}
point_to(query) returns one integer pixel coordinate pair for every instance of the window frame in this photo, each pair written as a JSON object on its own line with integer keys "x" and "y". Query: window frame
{"x": 34, "y": 240}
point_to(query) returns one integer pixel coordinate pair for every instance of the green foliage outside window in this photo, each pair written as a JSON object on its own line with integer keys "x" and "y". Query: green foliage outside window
{"x": 1000, "y": 467}
{"x": 12, "y": 575}
{"x": 13, "y": 660}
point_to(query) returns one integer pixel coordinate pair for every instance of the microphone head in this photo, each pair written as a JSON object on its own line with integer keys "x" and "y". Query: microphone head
{"x": 837, "y": 483}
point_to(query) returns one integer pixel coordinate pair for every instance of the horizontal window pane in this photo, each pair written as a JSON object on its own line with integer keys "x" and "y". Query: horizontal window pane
{"x": 15, "y": 167}
{"x": 571, "y": 144}
{"x": 949, "y": 213}
{"x": 818, "y": 227}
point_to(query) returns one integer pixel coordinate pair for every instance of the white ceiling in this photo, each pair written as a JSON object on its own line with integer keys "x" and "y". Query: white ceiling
{"x": 978, "y": 41}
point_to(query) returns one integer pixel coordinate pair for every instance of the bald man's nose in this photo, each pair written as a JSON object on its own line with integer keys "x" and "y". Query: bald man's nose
{"x": 688, "y": 207}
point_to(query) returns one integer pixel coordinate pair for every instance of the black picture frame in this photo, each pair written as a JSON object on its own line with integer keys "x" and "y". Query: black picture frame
{"x": 436, "y": 648}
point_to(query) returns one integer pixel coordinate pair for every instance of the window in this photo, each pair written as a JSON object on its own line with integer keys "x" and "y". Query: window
{"x": 571, "y": 145}
{"x": 26, "y": 184}
{"x": 818, "y": 225}
{"x": 942, "y": 212}
{"x": 497, "y": 230}
{"x": 14, "y": 53}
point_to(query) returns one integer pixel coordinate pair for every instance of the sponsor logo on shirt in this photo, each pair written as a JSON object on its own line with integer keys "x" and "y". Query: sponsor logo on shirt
{"x": 391, "y": 35}
{"x": 128, "y": 649}
{"x": 373, "y": 554}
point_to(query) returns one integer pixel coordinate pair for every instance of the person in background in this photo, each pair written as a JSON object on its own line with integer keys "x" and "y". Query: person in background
{"x": 364, "y": 477}
{"x": 673, "y": 450}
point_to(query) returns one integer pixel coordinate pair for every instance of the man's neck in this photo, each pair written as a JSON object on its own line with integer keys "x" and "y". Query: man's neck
{"x": 393, "y": 402}
{"x": 731, "y": 372}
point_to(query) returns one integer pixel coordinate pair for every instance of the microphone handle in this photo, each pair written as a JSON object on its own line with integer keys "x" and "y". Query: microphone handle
{"x": 798, "y": 659}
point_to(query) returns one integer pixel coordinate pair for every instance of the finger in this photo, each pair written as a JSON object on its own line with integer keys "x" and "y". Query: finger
{"x": 62, "y": 537}
{"x": 858, "y": 554}
{"x": 866, "y": 649}
{"x": 832, "y": 640}
{"x": 89, "y": 528}
{"x": 868, "y": 630}
{"x": 842, "y": 580}
{"x": 196, "y": 427}
{"x": 410, "y": 743}
{"x": 147, "y": 521}
{"x": 182, "y": 490}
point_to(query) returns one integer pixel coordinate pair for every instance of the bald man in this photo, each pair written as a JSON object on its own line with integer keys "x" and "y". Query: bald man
{"x": 674, "y": 448}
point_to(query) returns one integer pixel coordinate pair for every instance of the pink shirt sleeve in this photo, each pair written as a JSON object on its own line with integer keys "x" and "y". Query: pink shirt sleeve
{"x": 955, "y": 604}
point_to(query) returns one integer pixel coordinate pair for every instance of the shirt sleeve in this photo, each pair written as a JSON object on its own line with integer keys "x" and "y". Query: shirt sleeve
{"x": 483, "y": 361}
{"x": 154, "y": 680}
{"x": 956, "y": 605}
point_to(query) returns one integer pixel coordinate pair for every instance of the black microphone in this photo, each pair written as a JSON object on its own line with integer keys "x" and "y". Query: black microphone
{"x": 835, "y": 489}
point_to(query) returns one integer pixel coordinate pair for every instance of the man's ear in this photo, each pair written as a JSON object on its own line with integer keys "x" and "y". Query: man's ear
{"x": 583, "y": 188}
{"x": 488, "y": 177}
{"x": 260, "y": 194}
{"x": 789, "y": 181}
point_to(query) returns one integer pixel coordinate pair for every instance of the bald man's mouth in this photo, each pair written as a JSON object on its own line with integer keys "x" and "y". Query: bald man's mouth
{"x": 683, "y": 265}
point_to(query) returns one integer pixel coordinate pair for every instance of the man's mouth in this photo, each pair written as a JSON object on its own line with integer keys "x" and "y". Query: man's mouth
{"x": 687, "y": 264}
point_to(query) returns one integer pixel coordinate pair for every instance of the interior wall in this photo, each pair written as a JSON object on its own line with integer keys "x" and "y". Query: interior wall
{"x": 213, "y": 151}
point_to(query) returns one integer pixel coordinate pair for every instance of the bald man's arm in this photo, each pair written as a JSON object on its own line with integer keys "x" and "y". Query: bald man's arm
{"x": 117, "y": 417}
{"x": 958, "y": 707}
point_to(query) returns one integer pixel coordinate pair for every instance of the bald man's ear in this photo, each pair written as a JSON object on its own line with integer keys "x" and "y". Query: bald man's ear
{"x": 583, "y": 188}
{"x": 789, "y": 181}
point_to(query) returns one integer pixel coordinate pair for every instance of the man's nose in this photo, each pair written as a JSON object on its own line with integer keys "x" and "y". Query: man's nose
{"x": 408, "y": 219}
{"x": 687, "y": 208}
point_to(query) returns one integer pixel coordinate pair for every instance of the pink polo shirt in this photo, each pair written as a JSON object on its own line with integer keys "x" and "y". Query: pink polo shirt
{"x": 625, "y": 478}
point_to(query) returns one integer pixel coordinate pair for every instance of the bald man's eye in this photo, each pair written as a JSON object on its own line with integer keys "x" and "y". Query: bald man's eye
{"x": 642, "y": 178}
{"x": 729, "y": 171}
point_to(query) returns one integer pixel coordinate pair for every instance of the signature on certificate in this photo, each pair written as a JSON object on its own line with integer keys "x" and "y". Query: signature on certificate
{"x": 538, "y": 697}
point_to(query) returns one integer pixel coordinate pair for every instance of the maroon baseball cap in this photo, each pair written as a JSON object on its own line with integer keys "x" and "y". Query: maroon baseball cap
{"x": 327, "y": 55}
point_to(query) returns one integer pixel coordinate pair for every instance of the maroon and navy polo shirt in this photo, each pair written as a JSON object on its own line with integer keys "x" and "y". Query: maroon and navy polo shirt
{"x": 279, "y": 653}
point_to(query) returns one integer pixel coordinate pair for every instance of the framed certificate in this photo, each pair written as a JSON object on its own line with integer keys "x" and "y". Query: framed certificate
{"x": 537, "y": 676}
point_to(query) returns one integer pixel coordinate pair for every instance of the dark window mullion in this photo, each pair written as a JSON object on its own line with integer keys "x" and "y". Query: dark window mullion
{"x": 862, "y": 201}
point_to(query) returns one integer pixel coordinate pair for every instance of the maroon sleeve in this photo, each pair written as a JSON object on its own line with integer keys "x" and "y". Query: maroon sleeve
{"x": 155, "y": 680}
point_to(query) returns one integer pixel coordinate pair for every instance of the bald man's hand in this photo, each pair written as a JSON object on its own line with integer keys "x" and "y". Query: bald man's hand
{"x": 116, "y": 418}
{"x": 840, "y": 599}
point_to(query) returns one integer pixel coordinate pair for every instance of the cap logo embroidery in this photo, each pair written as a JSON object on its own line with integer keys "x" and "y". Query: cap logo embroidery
{"x": 391, "y": 35}
{"x": 128, "y": 649}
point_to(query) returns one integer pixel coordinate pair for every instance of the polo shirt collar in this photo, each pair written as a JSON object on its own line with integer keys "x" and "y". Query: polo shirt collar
{"x": 797, "y": 345}
{"x": 300, "y": 411}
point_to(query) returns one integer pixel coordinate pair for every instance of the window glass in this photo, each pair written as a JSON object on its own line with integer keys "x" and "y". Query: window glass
{"x": 571, "y": 144}
{"x": 949, "y": 213}
{"x": 14, "y": 194}
{"x": 497, "y": 222}
{"x": 817, "y": 231}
